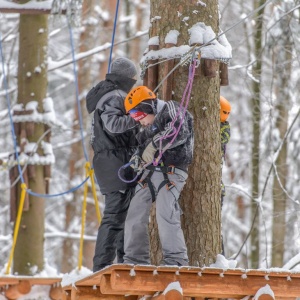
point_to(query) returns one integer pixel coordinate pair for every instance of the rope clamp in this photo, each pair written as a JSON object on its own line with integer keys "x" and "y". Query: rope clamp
{"x": 196, "y": 56}
{"x": 170, "y": 185}
{"x": 171, "y": 170}
{"x": 142, "y": 185}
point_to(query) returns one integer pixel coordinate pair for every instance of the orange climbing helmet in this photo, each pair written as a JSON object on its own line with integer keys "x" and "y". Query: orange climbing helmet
{"x": 136, "y": 96}
{"x": 225, "y": 109}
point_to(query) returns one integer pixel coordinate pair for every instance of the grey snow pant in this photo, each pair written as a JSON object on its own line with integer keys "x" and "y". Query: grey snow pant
{"x": 110, "y": 238}
{"x": 136, "y": 245}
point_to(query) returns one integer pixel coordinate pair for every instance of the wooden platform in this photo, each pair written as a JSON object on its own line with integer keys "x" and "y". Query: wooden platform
{"x": 131, "y": 282}
{"x": 13, "y": 287}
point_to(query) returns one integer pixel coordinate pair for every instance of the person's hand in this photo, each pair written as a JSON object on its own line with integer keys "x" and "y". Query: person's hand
{"x": 149, "y": 152}
{"x": 136, "y": 162}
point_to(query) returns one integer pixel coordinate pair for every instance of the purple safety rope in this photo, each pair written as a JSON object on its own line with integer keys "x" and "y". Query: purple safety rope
{"x": 188, "y": 90}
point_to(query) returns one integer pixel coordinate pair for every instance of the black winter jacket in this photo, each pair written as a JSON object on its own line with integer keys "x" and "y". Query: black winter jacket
{"x": 180, "y": 152}
{"x": 113, "y": 132}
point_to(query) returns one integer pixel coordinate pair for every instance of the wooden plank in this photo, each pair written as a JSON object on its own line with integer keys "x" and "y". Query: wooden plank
{"x": 26, "y": 8}
{"x": 90, "y": 293}
{"x": 105, "y": 288}
{"x": 7, "y": 280}
{"x": 66, "y": 295}
{"x": 28, "y": 11}
{"x": 206, "y": 285}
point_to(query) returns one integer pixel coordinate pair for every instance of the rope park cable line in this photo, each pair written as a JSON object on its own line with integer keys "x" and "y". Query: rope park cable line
{"x": 89, "y": 170}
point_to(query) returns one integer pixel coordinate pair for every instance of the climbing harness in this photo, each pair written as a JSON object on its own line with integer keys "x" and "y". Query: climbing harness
{"x": 146, "y": 182}
{"x": 183, "y": 106}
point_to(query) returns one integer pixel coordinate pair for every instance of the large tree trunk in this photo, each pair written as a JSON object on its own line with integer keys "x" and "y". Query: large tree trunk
{"x": 200, "y": 199}
{"x": 32, "y": 86}
{"x": 283, "y": 68}
{"x": 256, "y": 117}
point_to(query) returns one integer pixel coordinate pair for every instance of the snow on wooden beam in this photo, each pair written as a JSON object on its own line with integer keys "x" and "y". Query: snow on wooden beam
{"x": 30, "y": 8}
{"x": 117, "y": 281}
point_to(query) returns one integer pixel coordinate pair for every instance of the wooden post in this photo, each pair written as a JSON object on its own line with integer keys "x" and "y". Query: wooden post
{"x": 210, "y": 68}
{"x": 145, "y": 79}
{"x": 29, "y": 126}
{"x": 223, "y": 68}
{"x": 12, "y": 292}
{"x": 24, "y": 287}
{"x": 153, "y": 71}
{"x": 168, "y": 83}
{"x": 56, "y": 292}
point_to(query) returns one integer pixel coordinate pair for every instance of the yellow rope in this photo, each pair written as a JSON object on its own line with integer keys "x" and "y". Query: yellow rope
{"x": 83, "y": 216}
{"x": 91, "y": 173}
{"x": 17, "y": 226}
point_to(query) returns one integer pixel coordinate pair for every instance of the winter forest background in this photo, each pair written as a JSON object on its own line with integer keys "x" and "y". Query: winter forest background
{"x": 260, "y": 218}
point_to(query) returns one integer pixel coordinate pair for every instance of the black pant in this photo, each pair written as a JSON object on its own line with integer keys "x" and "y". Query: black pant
{"x": 110, "y": 238}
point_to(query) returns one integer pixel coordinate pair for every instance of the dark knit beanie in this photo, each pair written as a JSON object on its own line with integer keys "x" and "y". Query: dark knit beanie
{"x": 147, "y": 106}
{"x": 123, "y": 66}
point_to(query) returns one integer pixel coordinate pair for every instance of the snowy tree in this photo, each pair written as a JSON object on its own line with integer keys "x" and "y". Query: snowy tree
{"x": 32, "y": 87}
{"x": 184, "y": 25}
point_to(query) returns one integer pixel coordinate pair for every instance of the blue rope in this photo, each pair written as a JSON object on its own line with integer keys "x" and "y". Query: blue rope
{"x": 59, "y": 194}
{"x": 77, "y": 93}
{"x": 15, "y": 140}
{"x": 9, "y": 113}
{"x": 113, "y": 36}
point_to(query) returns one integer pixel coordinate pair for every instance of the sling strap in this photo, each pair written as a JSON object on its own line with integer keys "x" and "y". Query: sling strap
{"x": 147, "y": 182}
{"x": 166, "y": 182}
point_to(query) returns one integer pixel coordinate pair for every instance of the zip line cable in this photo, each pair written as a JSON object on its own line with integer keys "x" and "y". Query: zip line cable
{"x": 113, "y": 36}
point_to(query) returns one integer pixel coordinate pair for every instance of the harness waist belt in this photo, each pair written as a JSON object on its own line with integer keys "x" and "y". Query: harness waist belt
{"x": 168, "y": 170}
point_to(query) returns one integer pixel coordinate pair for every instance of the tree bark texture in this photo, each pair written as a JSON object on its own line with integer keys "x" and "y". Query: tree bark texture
{"x": 32, "y": 86}
{"x": 200, "y": 199}
{"x": 256, "y": 118}
{"x": 283, "y": 74}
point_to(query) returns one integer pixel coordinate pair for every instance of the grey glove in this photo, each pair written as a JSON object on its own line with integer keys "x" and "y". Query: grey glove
{"x": 149, "y": 152}
{"x": 136, "y": 162}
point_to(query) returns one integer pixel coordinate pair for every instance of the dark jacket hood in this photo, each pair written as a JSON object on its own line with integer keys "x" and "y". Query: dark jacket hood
{"x": 111, "y": 82}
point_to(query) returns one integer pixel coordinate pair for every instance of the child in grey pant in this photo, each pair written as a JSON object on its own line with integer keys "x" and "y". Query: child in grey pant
{"x": 165, "y": 126}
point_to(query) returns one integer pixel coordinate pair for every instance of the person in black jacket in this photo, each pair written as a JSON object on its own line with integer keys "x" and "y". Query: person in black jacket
{"x": 166, "y": 144}
{"x": 113, "y": 141}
